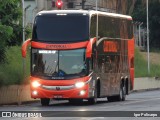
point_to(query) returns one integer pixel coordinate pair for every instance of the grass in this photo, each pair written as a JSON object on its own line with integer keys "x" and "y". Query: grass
{"x": 141, "y": 66}
{"x": 12, "y": 71}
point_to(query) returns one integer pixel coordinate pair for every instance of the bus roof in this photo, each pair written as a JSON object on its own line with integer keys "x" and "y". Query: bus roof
{"x": 88, "y": 12}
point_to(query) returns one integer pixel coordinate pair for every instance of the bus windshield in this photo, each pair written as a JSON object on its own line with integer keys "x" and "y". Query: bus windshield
{"x": 61, "y": 28}
{"x": 54, "y": 64}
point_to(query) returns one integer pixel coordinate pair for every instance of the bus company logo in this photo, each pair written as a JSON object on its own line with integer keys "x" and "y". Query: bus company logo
{"x": 58, "y": 88}
{"x": 58, "y": 46}
{"x": 110, "y": 46}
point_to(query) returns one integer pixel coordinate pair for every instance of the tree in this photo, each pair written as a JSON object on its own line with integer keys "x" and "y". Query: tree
{"x": 10, "y": 27}
{"x": 5, "y": 34}
{"x": 11, "y": 15}
{"x": 154, "y": 8}
{"x": 139, "y": 14}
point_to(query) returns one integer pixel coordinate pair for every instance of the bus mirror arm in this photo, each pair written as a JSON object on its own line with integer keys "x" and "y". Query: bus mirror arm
{"x": 89, "y": 47}
{"x": 24, "y": 47}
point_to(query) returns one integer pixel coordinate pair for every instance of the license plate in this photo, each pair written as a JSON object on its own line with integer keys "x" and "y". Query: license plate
{"x": 58, "y": 96}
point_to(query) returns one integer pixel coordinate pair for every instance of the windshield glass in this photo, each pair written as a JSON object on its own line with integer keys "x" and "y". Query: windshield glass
{"x": 61, "y": 28}
{"x": 54, "y": 64}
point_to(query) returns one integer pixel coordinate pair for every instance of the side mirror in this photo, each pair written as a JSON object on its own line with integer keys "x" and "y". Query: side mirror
{"x": 24, "y": 47}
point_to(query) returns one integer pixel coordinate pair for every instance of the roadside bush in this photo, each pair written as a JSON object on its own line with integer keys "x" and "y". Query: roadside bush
{"x": 11, "y": 72}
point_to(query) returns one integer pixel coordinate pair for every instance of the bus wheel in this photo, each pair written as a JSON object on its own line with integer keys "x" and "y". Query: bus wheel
{"x": 120, "y": 97}
{"x": 93, "y": 100}
{"x": 122, "y": 93}
{"x": 75, "y": 101}
{"x": 45, "y": 101}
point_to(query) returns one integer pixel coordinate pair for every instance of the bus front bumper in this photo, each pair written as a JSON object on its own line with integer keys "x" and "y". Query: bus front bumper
{"x": 41, "y": 92}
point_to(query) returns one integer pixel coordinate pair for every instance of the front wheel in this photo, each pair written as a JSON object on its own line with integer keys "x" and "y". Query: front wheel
{"x": 45, "y": 101}
{"x": 93, "y": 100}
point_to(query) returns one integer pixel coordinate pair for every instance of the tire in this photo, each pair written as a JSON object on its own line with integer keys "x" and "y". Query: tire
{"x": 45, "y": 101}
{"x": 93, "y": 100}
{"x": 75, "y": 101}
{"x": 120, "y": 97}
{"x": 122, "y": 93}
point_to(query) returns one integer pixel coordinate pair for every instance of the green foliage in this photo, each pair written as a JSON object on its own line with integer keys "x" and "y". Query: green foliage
{"x": 154, "y": 9}
{"x": 5, "y": 34}
{"x": 28, "y": 31}
{"x": 12, "y": 71}
{"x": 139, "y": 14}
{"x": 11, "y": 25}
{"x": 10, "y": 11}
{"x": 11, "y": 15}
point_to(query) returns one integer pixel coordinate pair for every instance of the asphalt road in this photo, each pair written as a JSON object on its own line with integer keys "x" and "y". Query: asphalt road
{"x": 136, "y": 104}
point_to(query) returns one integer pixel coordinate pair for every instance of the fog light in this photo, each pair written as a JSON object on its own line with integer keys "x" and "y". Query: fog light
{"x": 82, "y": 92}
{"x": 35, "y": 92}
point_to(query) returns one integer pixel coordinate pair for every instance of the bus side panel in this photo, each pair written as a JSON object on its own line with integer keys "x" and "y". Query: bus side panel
{"x": 109, "y": 66}
{"x": 131, "y": 62}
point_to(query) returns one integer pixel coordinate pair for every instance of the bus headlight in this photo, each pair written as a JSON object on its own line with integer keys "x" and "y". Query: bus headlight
{"x": 79, "y": 84}
{"x": 36, "y": 84}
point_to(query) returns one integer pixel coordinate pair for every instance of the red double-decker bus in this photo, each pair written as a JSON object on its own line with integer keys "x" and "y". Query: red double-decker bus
{"x": 69, "y": 62}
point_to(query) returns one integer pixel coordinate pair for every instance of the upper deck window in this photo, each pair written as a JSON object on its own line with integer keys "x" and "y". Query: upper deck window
{"x": 61, "y": 28}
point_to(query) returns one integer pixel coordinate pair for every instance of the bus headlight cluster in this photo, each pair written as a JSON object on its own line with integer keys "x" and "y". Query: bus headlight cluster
{"x": 36, "y": 84}
{"x": 79, "y": 84}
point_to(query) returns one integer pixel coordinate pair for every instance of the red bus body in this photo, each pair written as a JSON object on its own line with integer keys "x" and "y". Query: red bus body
{"x": 108, "y": 62}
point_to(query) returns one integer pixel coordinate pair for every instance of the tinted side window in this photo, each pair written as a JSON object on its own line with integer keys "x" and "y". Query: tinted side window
{"x": 108, "y": 27}
{"x": 130, "y": 29}
{"x": 93, "y": 26}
